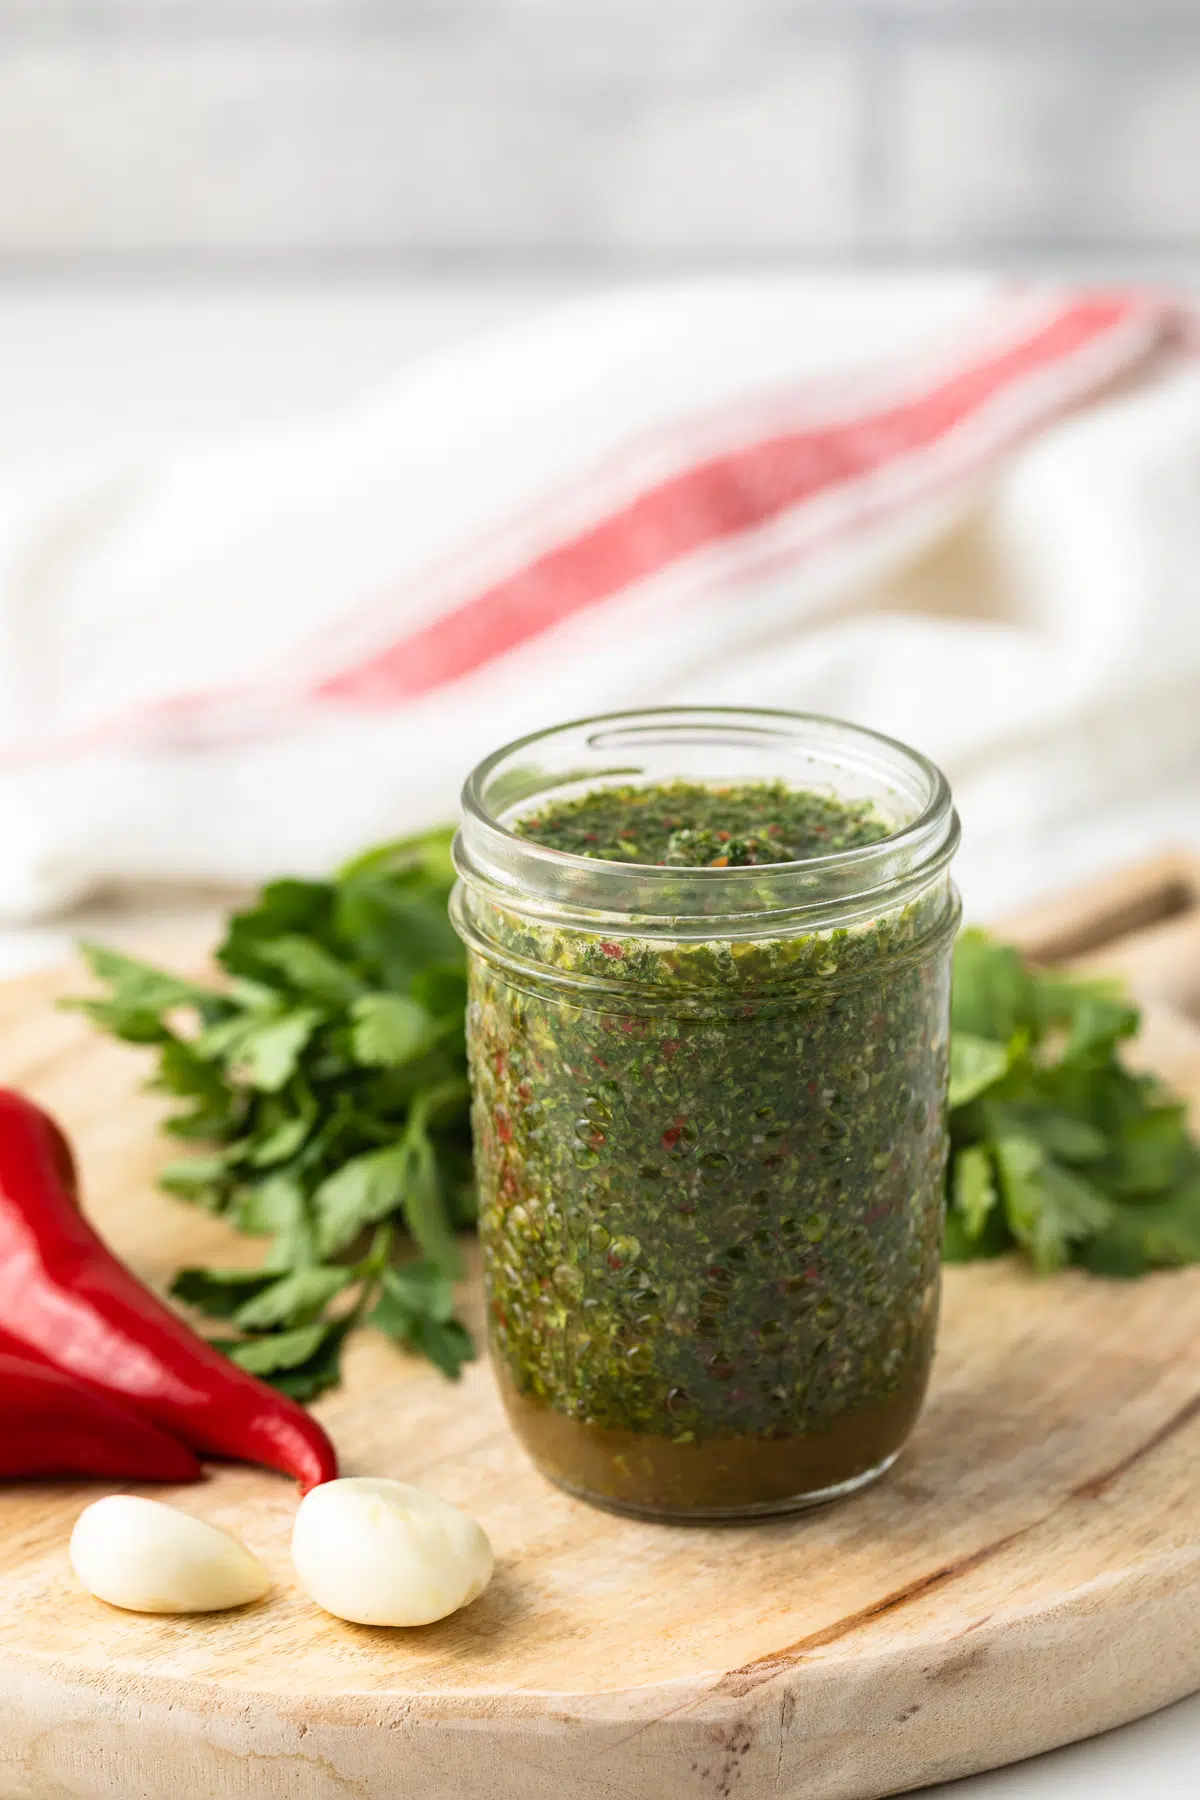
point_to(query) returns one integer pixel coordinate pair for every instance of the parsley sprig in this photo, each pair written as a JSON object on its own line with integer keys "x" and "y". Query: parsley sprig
{"x": 326, "y": 1082}
{"x": 1057, "y": 1148}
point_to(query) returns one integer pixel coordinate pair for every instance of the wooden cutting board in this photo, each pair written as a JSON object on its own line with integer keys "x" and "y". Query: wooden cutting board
{"x": 1028, "y": 1574}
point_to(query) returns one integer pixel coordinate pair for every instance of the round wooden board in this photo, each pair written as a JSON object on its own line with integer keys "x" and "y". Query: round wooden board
{"x": 1029, "y": 1573}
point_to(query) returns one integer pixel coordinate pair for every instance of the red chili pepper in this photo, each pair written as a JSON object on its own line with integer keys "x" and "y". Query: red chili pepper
{"x": 64, "y": 1158}
{"x": 65, "y": 1296}
{"x": 51, "y": 1424}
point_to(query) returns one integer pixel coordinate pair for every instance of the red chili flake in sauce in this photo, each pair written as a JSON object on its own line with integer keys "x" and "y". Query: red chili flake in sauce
{"x": 611, "y": 949}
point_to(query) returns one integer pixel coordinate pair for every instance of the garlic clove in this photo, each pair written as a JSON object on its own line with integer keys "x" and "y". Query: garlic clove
{"x": 379, "y": 1552}
{"x": 147, "y": 1557}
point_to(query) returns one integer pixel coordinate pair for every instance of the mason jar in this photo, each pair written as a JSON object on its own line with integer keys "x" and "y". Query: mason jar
{"x": 709, "y": 1102}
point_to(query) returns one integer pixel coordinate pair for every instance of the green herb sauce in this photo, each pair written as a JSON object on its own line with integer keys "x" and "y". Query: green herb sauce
{"x": 711, "y": 1172}
{"x": 685, "y": 825}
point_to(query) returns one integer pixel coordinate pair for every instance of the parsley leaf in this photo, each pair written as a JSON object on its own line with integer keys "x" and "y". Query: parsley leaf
{"x": 390, "y": 1030}
{"x": 975, "y": 1190}
{"x": 975, "y": 1063}
{"x": 287, "y": 1350}
{"x": 136, "y": 986}
{"x": 310, "y": 969}
{"x": 1048, "y": 1208}
{"x": 218, "y": 1292}
{"x": 270, "y": 1053}
{"x": 364, "y": 1190}
{"x": 416, "y": 1309}
{"x": 295, "y": 1299}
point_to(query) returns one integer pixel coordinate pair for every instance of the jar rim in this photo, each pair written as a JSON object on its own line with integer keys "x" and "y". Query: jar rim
{"x": 549, "y": 882}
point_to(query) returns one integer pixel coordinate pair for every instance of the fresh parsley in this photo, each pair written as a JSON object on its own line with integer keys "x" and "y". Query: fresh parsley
{"x": 325, "y": 1083}
{"x": 1057, "y": 1148}
{"x": 324, "y": 1086}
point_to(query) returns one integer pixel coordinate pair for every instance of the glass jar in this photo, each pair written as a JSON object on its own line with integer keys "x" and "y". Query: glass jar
{"x": 709, "y": 1110}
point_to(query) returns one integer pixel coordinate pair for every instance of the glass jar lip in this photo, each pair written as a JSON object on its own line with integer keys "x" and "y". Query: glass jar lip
{"x": 489, "y": 854}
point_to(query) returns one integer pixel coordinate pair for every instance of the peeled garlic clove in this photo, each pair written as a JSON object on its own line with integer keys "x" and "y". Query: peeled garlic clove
{"x": 147, "y": 1557}
{"x": 383, "y": 1553}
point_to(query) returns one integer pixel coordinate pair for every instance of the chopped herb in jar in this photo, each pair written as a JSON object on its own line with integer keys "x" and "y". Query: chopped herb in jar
{"x": 711, "y": 1170}
{"x": 684, "y": 824}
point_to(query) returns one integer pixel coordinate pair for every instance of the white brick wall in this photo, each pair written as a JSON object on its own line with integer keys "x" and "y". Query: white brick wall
{"x": 168, "y": 129}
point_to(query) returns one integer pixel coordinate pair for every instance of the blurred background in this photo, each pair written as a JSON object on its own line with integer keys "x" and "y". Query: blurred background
{"x": 449, "y": 163}
{"x": 223, "y": 216}
{"x": 552, "y": 135}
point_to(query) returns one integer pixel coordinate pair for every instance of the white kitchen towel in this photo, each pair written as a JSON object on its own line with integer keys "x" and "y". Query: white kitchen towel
{"x": 962, "y": 511}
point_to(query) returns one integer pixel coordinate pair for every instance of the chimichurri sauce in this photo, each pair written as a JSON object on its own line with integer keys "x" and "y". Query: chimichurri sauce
{"x": 711, "y": 1172}
{"x": 683, "y": 824}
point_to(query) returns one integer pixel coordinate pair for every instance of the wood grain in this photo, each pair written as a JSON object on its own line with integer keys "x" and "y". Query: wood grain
{"x": 1028, "y": 1574}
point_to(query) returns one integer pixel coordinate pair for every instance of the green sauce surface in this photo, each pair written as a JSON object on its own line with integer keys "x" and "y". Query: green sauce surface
{"x": 711, "y": 1206}
{"x": 683, "y": 824}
